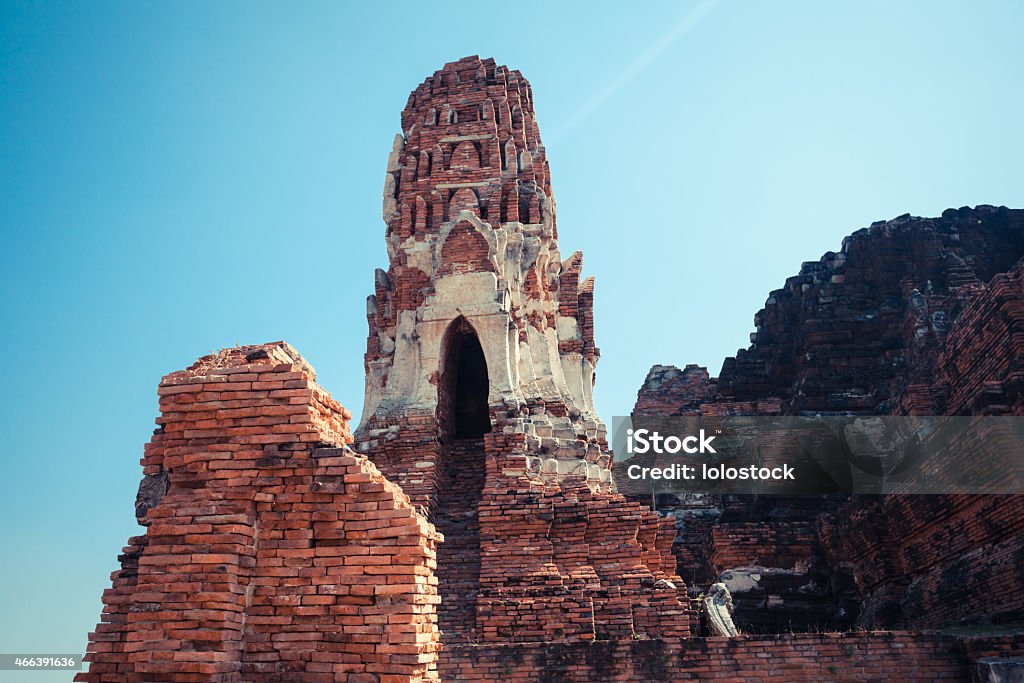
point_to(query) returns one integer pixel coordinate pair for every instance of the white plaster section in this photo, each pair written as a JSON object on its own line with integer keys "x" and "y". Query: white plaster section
{"x": 523, "y": 362}
{"x": 572, "y": 370}
{"x": 588, "y": 386}
{"x": 390, "y": 201}
{"x": 463, "y": 294}
{"x": 568, "y": 328}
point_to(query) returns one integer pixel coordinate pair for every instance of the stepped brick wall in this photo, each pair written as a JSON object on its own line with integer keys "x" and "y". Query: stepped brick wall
{"x": 912, "y": 316}
{"x": 272, "y": 551}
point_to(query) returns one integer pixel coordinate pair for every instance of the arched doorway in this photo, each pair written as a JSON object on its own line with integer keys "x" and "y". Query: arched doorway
{"x": 463, "y": 419}
{"x": 464, "y": 386}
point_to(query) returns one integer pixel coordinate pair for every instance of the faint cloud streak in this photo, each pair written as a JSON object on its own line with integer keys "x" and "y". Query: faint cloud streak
{"x": 682, "y": 27}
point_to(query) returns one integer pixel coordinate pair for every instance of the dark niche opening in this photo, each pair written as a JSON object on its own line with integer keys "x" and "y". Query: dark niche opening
{"x": 462, "y": 405}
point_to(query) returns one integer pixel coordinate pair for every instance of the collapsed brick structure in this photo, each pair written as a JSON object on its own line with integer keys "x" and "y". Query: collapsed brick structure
{"x": 912, "y": 317}
{"x": 475, "y": 532}
{"x": 273, "y": 552}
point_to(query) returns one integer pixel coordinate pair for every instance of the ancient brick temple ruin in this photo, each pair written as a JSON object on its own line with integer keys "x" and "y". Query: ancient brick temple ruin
{"x": 912, "y": 317}
{"x": 479, "y": 379}
{"x": 470, "y": 529}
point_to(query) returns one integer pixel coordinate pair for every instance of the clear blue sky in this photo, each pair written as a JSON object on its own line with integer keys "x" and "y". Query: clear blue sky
{"x": 181, "y": 177}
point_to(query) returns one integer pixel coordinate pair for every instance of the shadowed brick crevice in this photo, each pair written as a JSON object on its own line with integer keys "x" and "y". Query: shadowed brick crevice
{"x": 458, "y": 559}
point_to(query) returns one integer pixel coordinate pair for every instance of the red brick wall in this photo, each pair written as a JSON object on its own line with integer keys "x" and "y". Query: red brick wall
{"x": 914, "y": 316}
{"x": 864, "y": 656}
{"x": 981, "y": 364}
{"x": 575, "y": 564}
{"x": 783, "y": 544}
{"x": 553, "y": 562}
{"x": 933, "y": 560}
{"x": 465, "y": 250}
{"x": 276, "y": 552}
{"x": 927, "y": 561}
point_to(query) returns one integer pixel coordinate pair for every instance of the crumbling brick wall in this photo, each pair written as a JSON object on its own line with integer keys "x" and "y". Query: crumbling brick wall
{"x": 567, "y": 563}
{"x": 921, "y": 316}
{"x": 273, "y": 552}
{"x": 934, "y": 560}
{"x": 930, "y": 561}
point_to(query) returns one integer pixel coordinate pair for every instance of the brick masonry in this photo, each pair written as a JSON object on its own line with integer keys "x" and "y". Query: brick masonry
{"x": 863, "y": 656}
{"x": 913, "y": 316}
{"x": 272, "y": 552}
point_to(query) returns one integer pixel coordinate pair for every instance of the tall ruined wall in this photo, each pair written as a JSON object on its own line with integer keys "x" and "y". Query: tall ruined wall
{"x": 272, "y": 551}
{"x": 941, "y": 559}
{"x": 912, "y": 316}
{"x": 854, "y": 328}
{"x": 479, "y": 376}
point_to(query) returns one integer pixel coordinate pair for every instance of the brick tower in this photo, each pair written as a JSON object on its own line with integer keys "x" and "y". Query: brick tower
{"x": 479, "y": 377}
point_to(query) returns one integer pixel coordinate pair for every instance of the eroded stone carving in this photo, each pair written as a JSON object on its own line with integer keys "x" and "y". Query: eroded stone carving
{"x": 152, "y": 488}
{"x": 717, "y": 605}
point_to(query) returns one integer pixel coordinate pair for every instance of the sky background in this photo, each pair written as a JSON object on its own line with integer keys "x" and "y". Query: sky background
{"x": 178, "y": 178}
